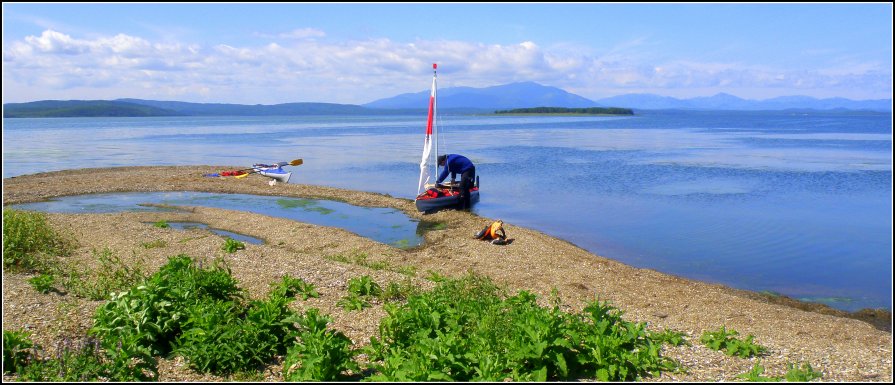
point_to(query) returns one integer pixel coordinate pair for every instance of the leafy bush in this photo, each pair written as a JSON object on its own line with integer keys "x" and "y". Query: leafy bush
{"x": 231, "y": 245}
{"x": 199, "y": 314}
{"x": 162, "y": 224}
{"x": 469, "y": 330}
{"x": 147, "y": 318}
{"x": 353, "y": 302}
{"x": 360, "y": 290}
{"x": 29, "y": 243}
{"x": 320, "y": 354}
{"x": 43, "y": 283}
{"x": 15, "y": 350}
{"x": 364, "y": 286}
{"x": 671, "y": 337}
{"x": 805, "y": 373}
{"x": 289, "y": 287}
{"x": 725, "y": 340}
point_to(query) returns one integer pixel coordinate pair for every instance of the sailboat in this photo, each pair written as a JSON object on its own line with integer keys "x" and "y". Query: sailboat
{"x": 431, "y": 197}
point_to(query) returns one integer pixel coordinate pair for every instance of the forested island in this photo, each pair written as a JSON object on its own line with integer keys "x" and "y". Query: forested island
{"x": 563, "y": 110}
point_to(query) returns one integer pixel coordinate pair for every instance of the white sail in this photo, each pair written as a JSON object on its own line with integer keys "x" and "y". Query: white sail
{"x": 427, "y": 144}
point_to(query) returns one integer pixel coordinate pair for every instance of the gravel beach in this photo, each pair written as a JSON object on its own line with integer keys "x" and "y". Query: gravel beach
{"x": 835, "y": 343}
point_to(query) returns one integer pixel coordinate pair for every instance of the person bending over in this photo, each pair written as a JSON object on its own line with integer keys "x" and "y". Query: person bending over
{"x": 458, "y": 164}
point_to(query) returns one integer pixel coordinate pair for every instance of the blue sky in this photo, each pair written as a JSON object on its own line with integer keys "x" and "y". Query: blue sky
{"x": 358, "y": 53}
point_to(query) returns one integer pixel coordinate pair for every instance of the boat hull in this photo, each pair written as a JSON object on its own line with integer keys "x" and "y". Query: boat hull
{"x": 448, "y": 201}
{"x": 277, "y": 174}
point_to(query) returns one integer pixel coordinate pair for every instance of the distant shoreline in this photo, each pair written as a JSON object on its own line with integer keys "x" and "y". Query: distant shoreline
{"x": 553, "y": 114}
{"x": 563, "y": 111}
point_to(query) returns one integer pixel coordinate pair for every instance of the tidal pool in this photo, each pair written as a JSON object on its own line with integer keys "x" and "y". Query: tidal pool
{"x": 386, "y": 225}
{"x": 196, "y": 225}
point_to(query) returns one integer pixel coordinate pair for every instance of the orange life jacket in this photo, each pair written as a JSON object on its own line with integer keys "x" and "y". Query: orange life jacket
{"x": 491, "y": 231}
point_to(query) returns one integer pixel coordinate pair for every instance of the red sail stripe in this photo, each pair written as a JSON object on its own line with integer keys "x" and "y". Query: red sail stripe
{"x": 429, "y": 120}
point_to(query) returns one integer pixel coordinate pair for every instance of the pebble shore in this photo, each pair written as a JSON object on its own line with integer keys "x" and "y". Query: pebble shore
{"x": 842, "y": 348}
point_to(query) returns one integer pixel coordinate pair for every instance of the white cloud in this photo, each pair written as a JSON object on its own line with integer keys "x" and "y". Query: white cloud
{"x": 300, "y": 68}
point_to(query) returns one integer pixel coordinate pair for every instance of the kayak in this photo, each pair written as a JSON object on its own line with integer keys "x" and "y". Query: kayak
{"x": 275, "y": 172}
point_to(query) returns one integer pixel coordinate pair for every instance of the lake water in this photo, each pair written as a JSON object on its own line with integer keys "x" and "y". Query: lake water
{"x": 789, "y": 202}
{"x": 386, "y": 225}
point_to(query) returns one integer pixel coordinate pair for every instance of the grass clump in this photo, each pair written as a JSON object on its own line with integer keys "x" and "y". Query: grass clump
{"x": 74, "y": 361}
{"x": 359, "y": 258}
{"x": 30, "y": 244}
{"x": 112, "y": 275}
{"x": 469, "y": 330}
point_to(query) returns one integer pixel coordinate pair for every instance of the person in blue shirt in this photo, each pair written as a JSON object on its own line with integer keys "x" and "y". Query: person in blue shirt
{"x": 458, "y": 164}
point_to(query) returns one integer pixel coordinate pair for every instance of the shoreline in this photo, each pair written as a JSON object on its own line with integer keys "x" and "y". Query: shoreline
{"x": 833, "y": 341}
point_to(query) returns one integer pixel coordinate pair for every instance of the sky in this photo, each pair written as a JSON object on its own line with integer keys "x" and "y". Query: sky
{"x": 356, "y": 53}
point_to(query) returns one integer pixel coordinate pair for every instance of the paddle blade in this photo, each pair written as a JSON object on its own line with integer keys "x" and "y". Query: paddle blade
{"x": 296, "y": 162}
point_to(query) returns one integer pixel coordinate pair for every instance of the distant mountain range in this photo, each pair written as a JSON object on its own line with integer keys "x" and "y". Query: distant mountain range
{"x": 509, "y": 96}
{"x": 530, "y": 94}
{"x": 455, "y": 99}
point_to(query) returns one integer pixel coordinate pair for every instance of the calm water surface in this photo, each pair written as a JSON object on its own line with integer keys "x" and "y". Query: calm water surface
{"x": 386, "y": 225}
{"x": 789, "y": 202}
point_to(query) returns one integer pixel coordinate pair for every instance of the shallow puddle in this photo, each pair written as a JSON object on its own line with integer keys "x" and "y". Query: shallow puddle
{"x": 386, "y": 225}
{"x": 196, "y": 225}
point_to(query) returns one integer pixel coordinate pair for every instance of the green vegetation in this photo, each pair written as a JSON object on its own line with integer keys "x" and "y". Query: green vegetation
{"x": 154, "y": 244}
{"x": 359, "y": 258}
{"x": 290, "y": 287}
{"x": 563, "y": 110}
{"x": 465, "y": 329}
{"x": 320, "y": 354}
{"x": 198, "y": 313}
{"x": 112, "y": 275}
{"x": 43, "y": 283}
{"x": 670, "y": 337}
{"x": 162, "y": 224}
{"x": 469, "y": 330}
{"x": 231, "y": 245}
{"x": 30, "y": 244}
{"x": 360, "y": 291}
{"x": 305, "y": 204}
{"x": 725, "y": 340}
{"x": 805, "y": 373}
{"x": 15, "y": 350}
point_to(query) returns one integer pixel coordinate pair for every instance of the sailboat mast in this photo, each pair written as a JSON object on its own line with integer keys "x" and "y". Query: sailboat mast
{"x": 434, "y": 113}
